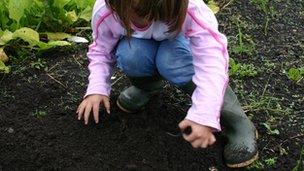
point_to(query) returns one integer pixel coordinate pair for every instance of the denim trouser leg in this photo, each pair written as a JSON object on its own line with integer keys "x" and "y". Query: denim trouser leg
{"x": 172, "y": 59}
{"x": 136, "y": 57}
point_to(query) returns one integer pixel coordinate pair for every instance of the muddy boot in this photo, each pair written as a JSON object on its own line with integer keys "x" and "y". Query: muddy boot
{"x": 135, "y": 98}
{"x": 241, "y": 149}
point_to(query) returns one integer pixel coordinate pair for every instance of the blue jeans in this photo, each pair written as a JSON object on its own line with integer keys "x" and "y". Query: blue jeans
{"x": 172, "y": 59}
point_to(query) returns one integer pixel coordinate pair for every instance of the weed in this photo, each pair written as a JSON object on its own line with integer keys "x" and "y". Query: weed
{"x": 271, "y": 161}
{"x": 271, "y": 131}
{"x": 269, "y": 11}
{"x": 260, "y": 102}
{"x": 39, "y": 113}
{"x": 257, "y": 165}
{"x": 269, "y": 66}
{"x": 241, "y": 70}
{"x": 296, "y": 74}
{"x": 39, "y": 64}
{"x": 300, "y": 162}
{"x": 241, "y": 43}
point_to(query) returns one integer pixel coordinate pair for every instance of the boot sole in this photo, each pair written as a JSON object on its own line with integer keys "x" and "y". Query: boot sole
{"x": 248, "y": 162}
{"x": 122, "y": 108}
{"x": 244, "y": 164}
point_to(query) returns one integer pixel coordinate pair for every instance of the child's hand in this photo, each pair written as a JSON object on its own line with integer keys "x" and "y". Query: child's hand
{"x": 92, "y": 102}
{"x": 200, "y": 137}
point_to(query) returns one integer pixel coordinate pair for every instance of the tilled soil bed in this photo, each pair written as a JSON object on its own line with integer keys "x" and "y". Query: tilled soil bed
{"x": 38, "y": 100}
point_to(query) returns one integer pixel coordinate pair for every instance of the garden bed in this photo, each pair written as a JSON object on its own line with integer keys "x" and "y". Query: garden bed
{"x": 38, "y": 100}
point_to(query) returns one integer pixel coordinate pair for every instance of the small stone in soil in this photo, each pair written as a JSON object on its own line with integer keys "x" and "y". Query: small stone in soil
{"x": 131, "y": 167}
{"x": 10, "y": 130}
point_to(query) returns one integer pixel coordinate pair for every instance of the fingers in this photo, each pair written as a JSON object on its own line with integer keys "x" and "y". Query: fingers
{"x": 92, "y": 103}
{"x": 212, "y": 140}
{"x": 80, "y": 110}
{"x": 190, "y": 137}
{"x": 203, "y": 143}
{"x": 87, "y": 113}
{"x": 96, "y": 112}
{"x": 106, "y": 104}
{"x": 183, "y": 124}
{"x": 200, "y": 137}
{"x": 196, "y": 143}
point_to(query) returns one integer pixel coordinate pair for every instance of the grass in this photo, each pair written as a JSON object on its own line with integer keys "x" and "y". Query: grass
{"x": 242, "y": 43}
{"x": 39, "y": 113}
{"x": 300, "y": 163}
{"x": 267, "y": 9}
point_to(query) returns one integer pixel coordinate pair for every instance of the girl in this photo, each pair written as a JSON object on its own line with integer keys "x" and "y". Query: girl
{"x": 177, "y": 40}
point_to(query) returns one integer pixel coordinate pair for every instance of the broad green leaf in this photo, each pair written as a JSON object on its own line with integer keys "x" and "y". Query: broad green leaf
{"x": 3, "y": 56}
{"x": 4, "y": 18}
{"x": 213, "y": 6}
{"x": 51, "y": 44}
{"x": 2, "y": 4}
{"x": 71, "y": 16}
{"x": 3, "y": 68}
{"x": 60, "y": 3}
{"x": 82, "y": 4}
{"x": 86, "y": 14}
{"x": 295, "y": 74}
{"x": 57, "y": 36}
{"x": 6, "y": 37}
{"x": 16, "y": 8}
{"x": 59, "y": 43}
{"x": 27, "y": 34}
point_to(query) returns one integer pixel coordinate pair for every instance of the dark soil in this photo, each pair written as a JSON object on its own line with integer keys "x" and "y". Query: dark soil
{"x": 39, "y": 130}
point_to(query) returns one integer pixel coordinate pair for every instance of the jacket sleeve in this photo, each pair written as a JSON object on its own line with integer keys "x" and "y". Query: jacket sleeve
{"x": 210, "y": 60}
{"x": 100, "y": 55}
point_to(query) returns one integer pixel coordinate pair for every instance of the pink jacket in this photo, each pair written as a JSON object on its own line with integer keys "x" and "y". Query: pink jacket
{"x": 208, "y": 46}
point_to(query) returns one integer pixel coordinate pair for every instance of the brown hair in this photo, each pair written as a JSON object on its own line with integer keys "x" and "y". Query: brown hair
{"x": 172, "y": 12}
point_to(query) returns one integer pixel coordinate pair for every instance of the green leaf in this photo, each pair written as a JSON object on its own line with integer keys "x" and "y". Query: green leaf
{"x": 295, "y": 74}
{"x": 3, "y": 56}
{"x": 82, "y": 4}
{"x": 51, "y": 44}
{"x": 6, "y": 37}
{"x": 16, "y": 8}
{"x": 213, "y": 6}
{"x": 86, "y": 14}
{"x": 71, "y": 16}
{"x": 270, "y": 130}
{"x": 27, "y": 34}
{"x": 57, "y": 36}
{"x": 3, "y": 68}
{"x": 60, "y": 3}
{"x": 234, "y": 67}
{"x": 59, "y": 43}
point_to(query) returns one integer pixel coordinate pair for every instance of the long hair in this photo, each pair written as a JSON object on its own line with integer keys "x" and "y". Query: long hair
{"x": 171, "y": 12}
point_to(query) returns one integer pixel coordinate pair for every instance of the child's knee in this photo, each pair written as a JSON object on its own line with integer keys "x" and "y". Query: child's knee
{"x": 177, "y": 74}
{"x": 135, "y": 57}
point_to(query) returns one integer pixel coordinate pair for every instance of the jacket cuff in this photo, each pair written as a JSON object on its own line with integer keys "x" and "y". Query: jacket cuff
{"x": 98, "y": 89}
{"x": 206, "y": 119}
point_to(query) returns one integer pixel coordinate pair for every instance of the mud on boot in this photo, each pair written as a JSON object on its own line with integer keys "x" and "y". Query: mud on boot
{"x": 136, "y": 97}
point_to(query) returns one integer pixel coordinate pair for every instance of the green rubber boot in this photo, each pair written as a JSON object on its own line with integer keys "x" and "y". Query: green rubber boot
{"x": 241, "y": 149}
{"x": 135, "y": 98}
